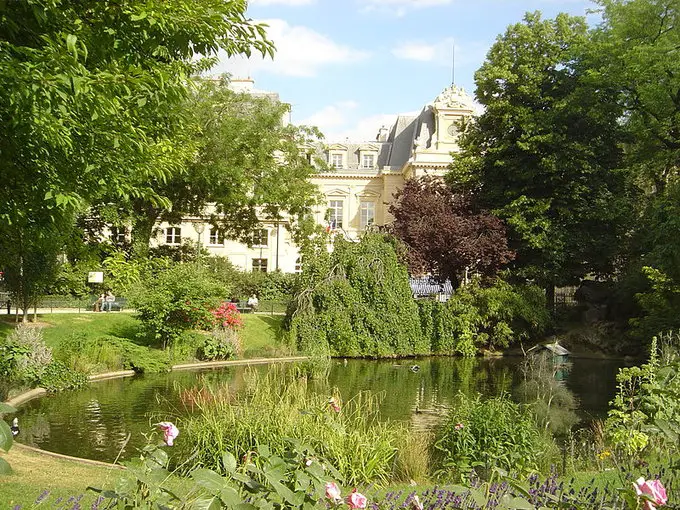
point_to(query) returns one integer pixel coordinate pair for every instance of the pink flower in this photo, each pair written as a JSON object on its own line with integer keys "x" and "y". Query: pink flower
{"x": 652, "y": 488}
{"x": 334, "y": 404}
{"x": 459, "y": 426}
{"x": 170, "y": 432}
{"x": 356, "y": 500}
{"x": 333, "y": 492}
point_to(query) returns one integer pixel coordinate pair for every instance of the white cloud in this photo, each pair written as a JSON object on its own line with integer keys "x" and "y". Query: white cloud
{"x": 416, "y": 51}
{"x": 292, "y": 3}
{"x": 400, "y": 7}
{"x": 440, "y": 52}
{"x": 300, "y": 51}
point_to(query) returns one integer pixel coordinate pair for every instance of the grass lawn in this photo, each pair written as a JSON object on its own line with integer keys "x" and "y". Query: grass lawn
{"x": 262, "y": 335}
{"x": 35, "y": 473}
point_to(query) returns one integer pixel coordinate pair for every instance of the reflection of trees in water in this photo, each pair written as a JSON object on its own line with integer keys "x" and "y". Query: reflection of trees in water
{"x": 94, "y": 422}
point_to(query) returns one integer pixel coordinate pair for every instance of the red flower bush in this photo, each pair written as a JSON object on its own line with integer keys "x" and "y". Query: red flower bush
{"x": 227, "y": 316}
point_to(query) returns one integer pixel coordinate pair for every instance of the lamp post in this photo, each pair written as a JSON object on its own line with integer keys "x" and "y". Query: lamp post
{"x": 199, "y": 227}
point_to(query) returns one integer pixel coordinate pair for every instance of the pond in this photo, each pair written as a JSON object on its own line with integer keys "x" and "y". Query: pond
{"x": 95, "y": 422}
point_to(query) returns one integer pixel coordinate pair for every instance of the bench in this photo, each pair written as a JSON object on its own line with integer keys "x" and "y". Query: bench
{"x": 243, "y": 307}
{"x": 118, "y": 305}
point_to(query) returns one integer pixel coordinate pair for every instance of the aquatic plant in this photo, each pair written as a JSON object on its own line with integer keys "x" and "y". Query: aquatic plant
{"x": 277, "y": 406}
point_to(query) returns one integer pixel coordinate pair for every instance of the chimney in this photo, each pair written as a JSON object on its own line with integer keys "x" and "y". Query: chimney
{"x": 382, "y": 134}
{"x": 242, "y": 84}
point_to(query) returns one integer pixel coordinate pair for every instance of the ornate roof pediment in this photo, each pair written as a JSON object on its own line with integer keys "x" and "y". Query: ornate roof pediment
{"x": 335, "y": 192}
{"x": 368, "y": 193}
{"x": 454, "y": 97}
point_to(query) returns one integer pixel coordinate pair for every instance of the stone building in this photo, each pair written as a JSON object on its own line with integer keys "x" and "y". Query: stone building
{"x": 359, "y": 188}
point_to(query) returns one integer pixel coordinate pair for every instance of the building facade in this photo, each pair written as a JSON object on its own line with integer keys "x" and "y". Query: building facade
{"x": 357, "y": 190}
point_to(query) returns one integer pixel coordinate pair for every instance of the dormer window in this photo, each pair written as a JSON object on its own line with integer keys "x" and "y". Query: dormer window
{"x": 368, "y": 161}
{"x": 337, "y": 161}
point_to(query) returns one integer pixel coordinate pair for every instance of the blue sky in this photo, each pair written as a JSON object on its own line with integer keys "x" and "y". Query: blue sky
{"x": 349, "y": 66}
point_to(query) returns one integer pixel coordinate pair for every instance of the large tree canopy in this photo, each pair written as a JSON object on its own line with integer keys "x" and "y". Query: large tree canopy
{"x": 638, "y": 45}
{"x": 89, "y": 93}
{"x": 246, "y": 165}
{"x": 544, "y": 154}
{"x": 445, "y": 234}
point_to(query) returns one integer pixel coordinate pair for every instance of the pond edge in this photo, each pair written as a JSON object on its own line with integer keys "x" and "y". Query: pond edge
{"x": 34, "y": 393}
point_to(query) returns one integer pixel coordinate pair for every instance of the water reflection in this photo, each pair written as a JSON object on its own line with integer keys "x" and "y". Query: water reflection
{"x": 95, "y": 422}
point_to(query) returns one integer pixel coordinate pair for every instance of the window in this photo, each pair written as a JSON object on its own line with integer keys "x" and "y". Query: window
{"x": 368, "y": 160}
{"x": 298, "y": 265}
{"x": 216, "y": 237}
{"x": 336, "y": 161}
{"x": 260, "y": 265}
{"x": 335, "y": 214}
{"x": 118, "y": 235}
{"x": 261, "y": 238}
{"x": 173, "y": 235}
{"x": 366, "y": 214}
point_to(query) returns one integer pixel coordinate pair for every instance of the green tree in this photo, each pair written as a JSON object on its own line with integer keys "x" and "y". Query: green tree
{"x": 89, "y": 97}
{"x": 544, "y": 154}
{"x": 357, "y": 301}
{"x": 248, "y": 165}
{"x": 638, "y": 43}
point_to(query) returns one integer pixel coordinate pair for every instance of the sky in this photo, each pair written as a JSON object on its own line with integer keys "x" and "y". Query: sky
{"x": 350, "y": 66}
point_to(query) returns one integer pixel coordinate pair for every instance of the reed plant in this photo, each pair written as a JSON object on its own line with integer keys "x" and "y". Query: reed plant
{"x": 279, "y": 405}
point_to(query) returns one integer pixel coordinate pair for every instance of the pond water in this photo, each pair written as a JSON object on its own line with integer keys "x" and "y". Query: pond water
{"x": 94, "y": 422}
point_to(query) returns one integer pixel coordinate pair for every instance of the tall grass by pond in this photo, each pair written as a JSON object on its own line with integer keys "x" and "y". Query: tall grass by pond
{"x": 277, "y": 406}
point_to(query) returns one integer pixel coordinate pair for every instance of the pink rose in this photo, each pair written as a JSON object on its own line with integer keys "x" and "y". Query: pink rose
{"x": 170, "y": 432}
{"x": 652, "y": 488}
{"x": 356, "y": 500}
{"x": 333, "y": 491}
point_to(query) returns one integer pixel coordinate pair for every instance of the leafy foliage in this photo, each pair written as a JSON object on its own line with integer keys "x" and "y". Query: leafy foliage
{"x": 445, "y": 233}
{"x": 173, "y": 300}
{"x": 495, "y": 316}
{"x": 544, "y": 154}
{"x": 479, "y": 435}
{"x": 6, "y": 438}
{"x": 222, "y": 343}
{"x": 27, "y": 360}
{"x": 247, "y": 165}
{"x": 646, "y": 407}
{"x": 295, "y": 479}
{"x": 356, "y": 301}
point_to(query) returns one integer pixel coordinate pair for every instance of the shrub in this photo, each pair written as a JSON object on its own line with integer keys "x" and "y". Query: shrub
{"x": 646, "y": 409}
{"x": 275, "y": 407}
{"x": 58, "y": 377}
{"x": 357, "y": 302}
{"x": 109, "y": 352}
{"x": 220, "y": 344}
{"x": 227, "y": 316}
{"x": 479, "y": 435}
{"x": 25, "y": 354}
{"x": 495, "y": 316}
{"x": 173, "y": 300}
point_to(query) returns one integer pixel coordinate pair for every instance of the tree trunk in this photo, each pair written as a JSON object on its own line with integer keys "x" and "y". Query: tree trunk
{"x": 142, "y": 231}
{"x": 550, "y": 297}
